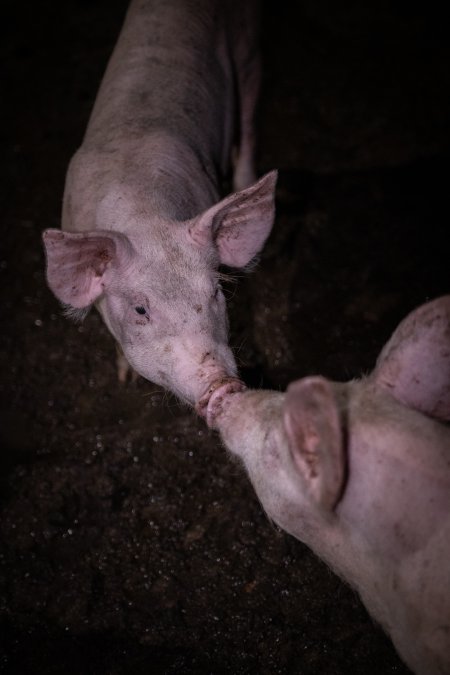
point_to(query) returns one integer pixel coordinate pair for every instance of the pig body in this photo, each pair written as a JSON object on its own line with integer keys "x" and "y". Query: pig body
{"x": 143, "y": 230}
{"x": 360, "y": 472}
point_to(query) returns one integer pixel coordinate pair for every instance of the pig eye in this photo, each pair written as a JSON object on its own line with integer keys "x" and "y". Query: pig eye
{"x": 140, "y": 310}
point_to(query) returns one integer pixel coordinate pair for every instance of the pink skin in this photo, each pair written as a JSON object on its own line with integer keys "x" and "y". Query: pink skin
{"x": 144, "y": 230}
{"x": 210, "y": 404}
{"x": 360, "y": 472}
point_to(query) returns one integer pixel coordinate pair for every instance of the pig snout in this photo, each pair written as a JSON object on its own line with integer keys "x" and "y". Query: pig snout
{"x": 210, "y": 403}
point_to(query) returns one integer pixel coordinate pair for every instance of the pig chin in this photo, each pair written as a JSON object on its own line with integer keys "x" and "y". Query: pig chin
{"x": 210, "y": 404}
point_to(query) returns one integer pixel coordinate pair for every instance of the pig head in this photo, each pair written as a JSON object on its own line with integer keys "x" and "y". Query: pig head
{"x": 158, "y": 288}
{"x": 360, "y": 472}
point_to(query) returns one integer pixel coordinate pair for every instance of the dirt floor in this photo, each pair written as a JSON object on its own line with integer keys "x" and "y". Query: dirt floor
{"x": 129, "y": 541}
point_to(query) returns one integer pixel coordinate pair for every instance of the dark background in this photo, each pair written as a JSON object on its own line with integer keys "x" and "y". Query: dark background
{"x": 129, "y": 541}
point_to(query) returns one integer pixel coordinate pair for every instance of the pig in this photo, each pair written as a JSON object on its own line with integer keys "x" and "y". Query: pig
{"x": 360, "y": 472}
{"x": 144, "y": 230}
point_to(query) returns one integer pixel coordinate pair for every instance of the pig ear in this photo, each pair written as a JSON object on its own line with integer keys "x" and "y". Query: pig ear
{"x": 312, "y": 423}
{"x": 239, "y": 224}
{"x": 78, "y": 263}
{"x": 414, "y": 365}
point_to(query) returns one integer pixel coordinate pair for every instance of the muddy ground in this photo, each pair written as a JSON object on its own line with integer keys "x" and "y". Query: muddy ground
{"x": 130, "y": 541}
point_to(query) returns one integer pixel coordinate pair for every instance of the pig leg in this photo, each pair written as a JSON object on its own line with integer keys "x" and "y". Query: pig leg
{"x": 123, "y": 367}
{"x": 248, "y": 84}
{"x": 244, "y": 155}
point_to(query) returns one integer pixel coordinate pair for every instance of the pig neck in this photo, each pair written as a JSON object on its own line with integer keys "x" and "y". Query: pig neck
{"x": 396, "y": 498}
{"x": 162, "y": 122}
{"x": 131, "y": 185}
{"x": 160, "y": 176}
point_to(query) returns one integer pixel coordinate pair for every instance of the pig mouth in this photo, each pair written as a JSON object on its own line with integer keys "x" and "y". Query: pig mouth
{"x": 210, "y": 404}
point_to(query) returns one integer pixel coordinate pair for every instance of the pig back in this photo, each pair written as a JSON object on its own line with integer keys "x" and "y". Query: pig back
{"x": 420, "y": 628}
{"x": 173, "y": 70}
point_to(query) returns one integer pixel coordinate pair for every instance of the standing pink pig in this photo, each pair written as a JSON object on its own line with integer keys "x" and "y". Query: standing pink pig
{"x": 360, "y": 472}
{"x": 143, "y": 230}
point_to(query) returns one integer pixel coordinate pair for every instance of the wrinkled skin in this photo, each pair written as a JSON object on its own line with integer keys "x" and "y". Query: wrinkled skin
{"x": 360, "y": 472}
{"x": 143, "y": 230}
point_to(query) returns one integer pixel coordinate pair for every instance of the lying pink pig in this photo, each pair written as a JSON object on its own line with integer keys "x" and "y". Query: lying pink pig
{"x": 360, "y": 472}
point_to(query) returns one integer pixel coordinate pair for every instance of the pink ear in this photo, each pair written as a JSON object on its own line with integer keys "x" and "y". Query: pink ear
{"x": 312, "y": 424}
{"x": 239, "y": 224}
{"x": 78, "y": 262}
{"x": 414, "y": 365}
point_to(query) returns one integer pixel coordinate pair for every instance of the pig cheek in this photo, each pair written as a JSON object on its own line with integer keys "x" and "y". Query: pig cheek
{"x": 274, "y": 502}
{"x": 212, "y": 315}
{"x": 165, "y": 363}
{"x": 281, "y": 492}
{"x": 143, "y": 358}
{"x": 270, "y": 484}
{"x": 112, "y": 311}
{"x": 220, "y": 320}
{"x": 138, "y": 343}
